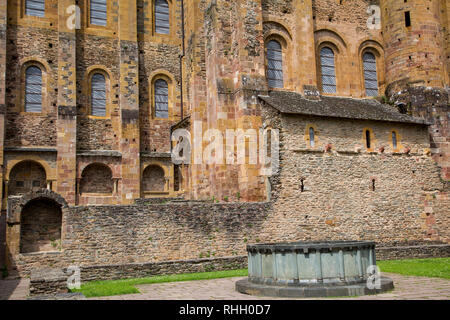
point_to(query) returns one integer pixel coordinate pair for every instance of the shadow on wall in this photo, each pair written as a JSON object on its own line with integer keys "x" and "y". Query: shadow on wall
{"x": 2, "y": 242}
{"x": 7, "y": 288}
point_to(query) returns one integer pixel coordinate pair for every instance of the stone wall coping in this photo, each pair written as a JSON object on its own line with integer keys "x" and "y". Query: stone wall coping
{"x": 180, "y": 204}
{"x": 156, "y": 155}
{"x": 100, "y": 153}
{"x": 48, "y": 275}
{"x": 415, "y": 247}
{"x": 28, "y": 149}
{"x": 137, "y": 264}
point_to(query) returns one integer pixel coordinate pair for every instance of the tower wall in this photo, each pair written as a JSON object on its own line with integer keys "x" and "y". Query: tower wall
{"x": 415, "y": 54}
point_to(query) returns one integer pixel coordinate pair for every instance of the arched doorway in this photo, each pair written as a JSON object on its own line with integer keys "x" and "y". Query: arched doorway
{"x": 40, "y": 226}
{"x": 153, "y": 179}
{"x": 25, "y": 177}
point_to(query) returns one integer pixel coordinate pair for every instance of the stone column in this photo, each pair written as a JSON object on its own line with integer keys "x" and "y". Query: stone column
{"x": 196, "y": 90}
{"x": 304, "y": 57}
{"x": 67, "y": 110}
{"x": 129, "y": 100}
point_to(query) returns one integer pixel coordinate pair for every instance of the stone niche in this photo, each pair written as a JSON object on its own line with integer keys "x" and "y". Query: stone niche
{"x": 35, "y": 223}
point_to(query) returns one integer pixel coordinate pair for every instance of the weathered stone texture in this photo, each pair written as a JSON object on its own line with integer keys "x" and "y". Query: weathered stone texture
{"x": 350, "y": 12}
{"x": 96, "y": 236}
{"x": 382, "y": 187}
{"x": 280, "y": 7}
{"x": 23, "y": 130}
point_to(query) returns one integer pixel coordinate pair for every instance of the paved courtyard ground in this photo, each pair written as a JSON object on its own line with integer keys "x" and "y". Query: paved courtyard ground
{"x": 406, "y": 288}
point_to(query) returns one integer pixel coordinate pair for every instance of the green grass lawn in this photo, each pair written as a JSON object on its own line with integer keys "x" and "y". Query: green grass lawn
{"x": 433, "y": 268}
{"x": 439, "y": 268}
{"x": 117, "y": 287}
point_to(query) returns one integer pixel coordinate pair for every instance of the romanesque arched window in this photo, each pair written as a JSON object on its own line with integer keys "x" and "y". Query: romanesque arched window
{"x": 370, "y": 74}
{"x": 162, "y": 17}
{"x": 98, "y": 95}
{"x": 161, "y": 98}
{"x": 35, "y": 8}
{"x": 98, "y": 12}
{"x": 275, "y": 64}
{"x": 33, "y": 89}
{"x": 328, "y": 71}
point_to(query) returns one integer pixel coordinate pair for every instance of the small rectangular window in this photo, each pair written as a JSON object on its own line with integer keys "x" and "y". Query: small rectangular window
{"x": 20, "y": 184}
{"x": 407, "y": 19}
{"x": 35, "y": 8}
{"x": 36, "y": 183}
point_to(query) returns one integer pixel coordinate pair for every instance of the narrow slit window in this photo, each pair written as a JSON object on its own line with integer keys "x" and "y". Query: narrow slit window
{"x": 162, "y": 17}
{"x": 269, "y": 143}
{"x": 35, "y": 8}
{"x": 370, "y": 74}
{"x": 407, "y": 19}
{"x": 98, "y": 12}
{"x": 33, "y": 90}
{"x": 394, "y": 140}
{"x": 275, "y": 64}
{"x": 312, "y": 137}
{"x": 328, "y": 71}
{"x": 161, "y": 99}
{"x": 368, "y": 142}
{"x": 98, "y": 95}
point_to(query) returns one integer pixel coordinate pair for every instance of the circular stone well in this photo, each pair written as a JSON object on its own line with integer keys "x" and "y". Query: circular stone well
{"x": 312, "y": 269}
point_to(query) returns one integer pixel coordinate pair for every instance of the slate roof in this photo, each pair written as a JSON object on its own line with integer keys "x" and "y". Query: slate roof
{"x": 338, "y": 107}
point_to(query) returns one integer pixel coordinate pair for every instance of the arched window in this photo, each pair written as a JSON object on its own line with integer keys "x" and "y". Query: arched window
{"x": 394, "y": 140}
{"x": 98, "y": 12}
{"x": 33, "y": 89}
{"x": 312, "y": 137}
{"x": 35, "y": 8}
{"x": 98, "y": 95}
{"x": 162, "y": 17}
{"x": 161, "y": 98}
{"x": 328, "y": 72}
{"x": 275, "y": 64}
{"x": 370, "y": 74}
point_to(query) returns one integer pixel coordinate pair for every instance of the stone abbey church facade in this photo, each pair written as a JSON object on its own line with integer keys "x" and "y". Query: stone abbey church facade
{"x": 91, "y": 90}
